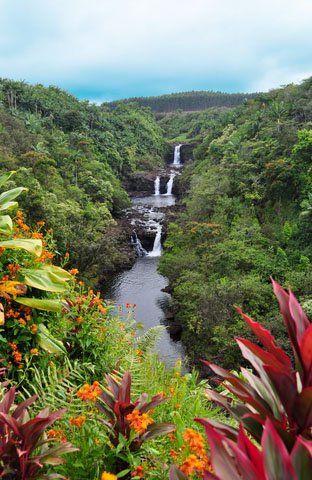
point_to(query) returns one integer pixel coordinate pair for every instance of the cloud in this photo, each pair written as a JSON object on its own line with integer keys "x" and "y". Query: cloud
{"x": 128, "y": 45}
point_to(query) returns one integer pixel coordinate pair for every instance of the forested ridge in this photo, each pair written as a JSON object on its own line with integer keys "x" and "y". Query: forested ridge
{"x": 72, "y": 156}
{"x": 186, "y": 101}
{"x": 247, "y": 217}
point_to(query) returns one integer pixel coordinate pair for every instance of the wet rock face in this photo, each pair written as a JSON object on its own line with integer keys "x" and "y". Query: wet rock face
{"x": 187, "y": 152}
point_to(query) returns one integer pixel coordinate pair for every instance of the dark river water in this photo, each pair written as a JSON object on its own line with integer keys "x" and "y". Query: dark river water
{"x": 142, "y": 284}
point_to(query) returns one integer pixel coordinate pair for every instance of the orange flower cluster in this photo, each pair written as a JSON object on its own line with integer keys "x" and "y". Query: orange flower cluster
{"x": 89, "y": 392}
{"x": 58, "y": 435}
{"x": 108, "y": 476}
{"x": 15, "y": 353}
{"x": 78, "y": 421}
{"x": 195, "y": 441}
{"x": 33, "y": 328}
{"x": 73, "y": 271}
{"x": 20, "y": 222}
{"x": 139, "y": 422}
{"x": 138, "y": 472}
{"x": 197, "y": 461}
{"x": 192, "y": 464}
{"x": 13, "y": 269}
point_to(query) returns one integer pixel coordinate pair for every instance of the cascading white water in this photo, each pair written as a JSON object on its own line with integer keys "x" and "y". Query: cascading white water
{"x": 177, "y": 154}
{"x": 157, "y": 186}
{"x": 156, "y": 252}
{"x": 170, "y": 184}
{"x": 137, "y": 245}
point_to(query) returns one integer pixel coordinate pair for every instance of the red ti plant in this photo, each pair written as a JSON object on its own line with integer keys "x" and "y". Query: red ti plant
{"x": 23, "y": 449}
{"x": 129, "y": 418}
{"x": 273, "y": 404}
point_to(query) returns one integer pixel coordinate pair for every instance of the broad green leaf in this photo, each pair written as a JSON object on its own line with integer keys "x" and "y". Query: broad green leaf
{"x": 11, "y": 194}
{"x": 41, "y": 304}
{"x": 47, "y": 277}
{"x": 48, "y": 342}
{"x": 6, "y": 224}
{"x": 32, "y": 246}
{"x": 4, "y": 178}
{"x": 8, "y": 206}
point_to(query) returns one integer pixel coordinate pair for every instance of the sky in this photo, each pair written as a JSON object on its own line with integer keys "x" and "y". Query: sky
{"x": 104, "y": 50}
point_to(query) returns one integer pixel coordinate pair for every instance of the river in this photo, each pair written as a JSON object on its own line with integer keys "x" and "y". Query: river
{"x": 142, "y": 285}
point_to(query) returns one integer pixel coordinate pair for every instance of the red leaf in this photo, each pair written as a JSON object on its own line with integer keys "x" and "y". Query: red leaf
{"x": 277, "y": 461}
{"x": 156, "y": 400}
{"x": 222, "y": 428}
{"x": 285, "y": 386}
{"x": 303, "y": 409}
{"x": 267, "y": 340}
{"x": 112, "y": 385}
{"x": 251, "y": 451}
{"x": 7, "y": 401}
{"x": 176, "y": 474}
{"x": 306, "y": 354}
{"x": 283, "y": 300}
{"x": 300, "y": 318}
{"x": 125, "y": 388}
{"x": 224, "y": 465}
{"x": 301, "y": 456}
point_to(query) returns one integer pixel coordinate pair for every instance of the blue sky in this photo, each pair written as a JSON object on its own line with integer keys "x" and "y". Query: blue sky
{"x": 108, "y": 49}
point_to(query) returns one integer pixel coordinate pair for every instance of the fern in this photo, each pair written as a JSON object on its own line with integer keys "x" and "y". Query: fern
{"x": 149, "y": 340}
{"x": 56, "y": 386}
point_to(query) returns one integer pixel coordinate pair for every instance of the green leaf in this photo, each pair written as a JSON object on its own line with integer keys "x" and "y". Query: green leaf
{"x": 32, "y": 246}
{"x": 123, "y": 473}
{"x": 11, "y": 194}
{"x": 8, "y": 206}
{"x": 6, "y": 224}
{"x": 41, "y": 304}
{"x": 4, "y": 178}
{"x": 47, "y": 277}
{"x": 48, "y": 342}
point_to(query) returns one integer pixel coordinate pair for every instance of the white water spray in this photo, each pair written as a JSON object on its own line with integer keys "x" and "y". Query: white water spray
{"x": 156, "y": 252}
{"x": 177, "y": 154}
{"x": 157, "y": 186}
{"x": 137, "y": 245}
{"x": 170, "y": 184}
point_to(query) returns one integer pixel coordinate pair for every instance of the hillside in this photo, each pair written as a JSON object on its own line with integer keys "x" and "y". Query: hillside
{"x": 186, "y": 101}
{"x": 247, "y": 217}
{"x": 72, "y": 156}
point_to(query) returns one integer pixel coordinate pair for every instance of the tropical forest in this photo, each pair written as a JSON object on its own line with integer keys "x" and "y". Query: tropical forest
{"x": 156, "y": 285}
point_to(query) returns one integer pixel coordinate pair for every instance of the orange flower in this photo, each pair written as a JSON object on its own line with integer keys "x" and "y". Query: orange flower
{"x": 173, "y": 454}
{"x": 89, "y": 392}
{"x": 139, "y": 422}
{"x": 40, "y": 223}
{"x": 138, "y": 472}
{"x": 57, "y": 434}
{"x": 21, "y": 321}
{"x": 73, "y": 271}
{"x": 33, "y": 328}
{"x": 79, "y": 319}
{"x": 195, "y": 441}
{"x": 108, "y": 476}
{"x": 34, "y": 351}
{"x": 192, "y": 464}
{"x": 78, "y": 421}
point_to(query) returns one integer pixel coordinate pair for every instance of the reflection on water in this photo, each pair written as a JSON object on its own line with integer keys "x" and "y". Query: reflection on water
{"x": 142, "y": 286}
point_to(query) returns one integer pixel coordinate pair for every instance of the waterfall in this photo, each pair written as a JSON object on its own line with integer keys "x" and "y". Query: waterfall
{"x": 156, "y": 252}
{"x": 177, "y": 154}
{"x": 170, "y": 184}
{"x": 137, "y": 245}
{"x": 157, "y": 186}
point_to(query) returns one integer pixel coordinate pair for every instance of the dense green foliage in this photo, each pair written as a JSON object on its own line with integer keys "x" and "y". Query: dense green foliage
{"x": 247, "y": 216}
{"x": 72, "y": 156}
{"x": 187, "y": 101}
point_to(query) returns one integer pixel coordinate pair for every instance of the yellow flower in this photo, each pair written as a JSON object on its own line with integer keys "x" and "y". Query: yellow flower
{"x": 108, "y": 476}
